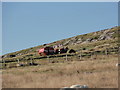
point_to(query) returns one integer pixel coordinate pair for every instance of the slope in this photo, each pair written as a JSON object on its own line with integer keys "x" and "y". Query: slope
{"x": 94, "y": 42}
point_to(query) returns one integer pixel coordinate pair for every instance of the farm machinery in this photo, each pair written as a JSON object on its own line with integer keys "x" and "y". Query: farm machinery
{"x": 51, "y": 51}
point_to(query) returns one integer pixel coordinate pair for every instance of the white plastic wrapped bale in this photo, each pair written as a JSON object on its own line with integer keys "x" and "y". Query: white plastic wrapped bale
{"x": 84, "y": 86}
{"x": 117, "y": 64}
{"x": 79, "y": 86}
{"x": 76, "y": 86}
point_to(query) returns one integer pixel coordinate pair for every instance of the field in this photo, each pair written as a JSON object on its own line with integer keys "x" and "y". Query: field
{"x": 96, "y": 72}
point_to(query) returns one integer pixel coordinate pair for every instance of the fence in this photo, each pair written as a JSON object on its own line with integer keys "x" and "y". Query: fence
{"x": 79, "y": 56}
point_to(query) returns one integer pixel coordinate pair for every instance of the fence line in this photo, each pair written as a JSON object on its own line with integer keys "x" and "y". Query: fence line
{"x": 79, "y": 56}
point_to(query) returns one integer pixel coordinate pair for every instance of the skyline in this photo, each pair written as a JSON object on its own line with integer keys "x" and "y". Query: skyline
{"x": 27, "y": 24}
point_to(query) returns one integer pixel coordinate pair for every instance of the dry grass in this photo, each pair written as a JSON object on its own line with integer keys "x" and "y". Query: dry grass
{"x": 98, "y": 73}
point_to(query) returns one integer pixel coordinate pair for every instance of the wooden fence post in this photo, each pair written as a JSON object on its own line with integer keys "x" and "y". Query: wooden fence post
{"x": 4, "y": 63}
{"x": 91, "y": 55}
{"x": 95, "y": 54}
{"x": 80, "y": 54}
{"x": 106, "y": 51}
{"x": 48, "y": 59}
{"x": 18, "y": 61}
{"x": 31, "y": 61}
{"x": 66, "y": 58}
{"x": 118, "y": 53}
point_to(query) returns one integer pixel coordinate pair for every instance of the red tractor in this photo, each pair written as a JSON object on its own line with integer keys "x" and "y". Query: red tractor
{"x": 46, "y": 51}
{"x": 50, "y": 51}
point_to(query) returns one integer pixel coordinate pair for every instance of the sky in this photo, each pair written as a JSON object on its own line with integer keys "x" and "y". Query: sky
{"x": 0, "y": 28}
{"x": 29, "y": 24}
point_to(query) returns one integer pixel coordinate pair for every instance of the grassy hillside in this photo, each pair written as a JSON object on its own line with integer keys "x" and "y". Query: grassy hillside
{"x": 99, "y": 40}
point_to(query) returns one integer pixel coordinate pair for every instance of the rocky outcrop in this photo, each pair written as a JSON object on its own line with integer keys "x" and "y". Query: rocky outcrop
{"x": 8, "y": 56}
{"x": 79, "y": 41}
{"x": 96, "y": 36}
{"x": 71, "y": 41}
{"x": 106, "y": 36}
